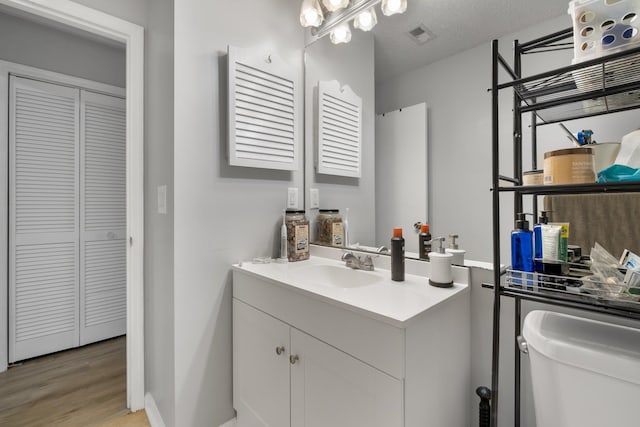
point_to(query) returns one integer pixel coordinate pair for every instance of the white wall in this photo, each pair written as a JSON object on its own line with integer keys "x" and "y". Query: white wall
{"x": 159, "y": 283}
{"x": 29, "y": 43}
{"x": 460, "y": 135}
{"x": 223, "y": 214}
{"x": 157, "y": 18}
{"x": 350, "y": 64}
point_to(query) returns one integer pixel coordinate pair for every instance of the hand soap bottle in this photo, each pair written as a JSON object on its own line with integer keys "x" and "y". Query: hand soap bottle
{"x": 522, "y": 245}
{"x": 397, "y": 255}
{"x": 441, "y": 274}
{"x": 458, "y": 254}
{"x": 537, "y": 244}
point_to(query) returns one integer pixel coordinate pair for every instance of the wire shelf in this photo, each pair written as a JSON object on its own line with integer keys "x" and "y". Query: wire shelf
{"x": 578, "y": 286}
{"x": 583, "y": 90}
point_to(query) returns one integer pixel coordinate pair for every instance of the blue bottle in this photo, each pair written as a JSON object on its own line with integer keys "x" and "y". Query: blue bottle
{"x": 522, "y": 245}
{"x": 537, "y": 241}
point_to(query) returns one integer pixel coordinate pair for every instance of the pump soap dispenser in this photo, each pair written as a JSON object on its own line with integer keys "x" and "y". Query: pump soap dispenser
{"x": 441, "y": 274}
{"x": 458, "y": 254}
{"x": 522, "y": 245}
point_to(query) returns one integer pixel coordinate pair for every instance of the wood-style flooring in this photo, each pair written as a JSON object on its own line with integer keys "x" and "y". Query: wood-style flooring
{"x": 79, "y": 387}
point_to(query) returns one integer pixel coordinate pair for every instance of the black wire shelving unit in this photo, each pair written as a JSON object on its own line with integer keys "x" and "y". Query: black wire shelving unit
{"x": 598, "y": 86}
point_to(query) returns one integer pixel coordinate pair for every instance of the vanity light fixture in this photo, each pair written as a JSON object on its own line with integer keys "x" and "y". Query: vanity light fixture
{"x": 311, "y": 13}
{"x": 362, "y": 13}
{"x": 366, "y": 20}
{"x": 391, "y": 7}
{"x": 341, "y": 34}
{"x": 333, "y": 5}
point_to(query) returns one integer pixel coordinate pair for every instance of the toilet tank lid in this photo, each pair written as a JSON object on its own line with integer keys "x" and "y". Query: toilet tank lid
{"x": 595, "y": 346}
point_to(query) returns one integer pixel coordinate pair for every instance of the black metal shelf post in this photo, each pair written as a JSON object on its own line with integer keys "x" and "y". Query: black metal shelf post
{"x": 550, "y": 97}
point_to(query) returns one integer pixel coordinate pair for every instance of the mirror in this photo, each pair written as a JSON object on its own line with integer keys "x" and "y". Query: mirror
{"x": 377, "y": 201}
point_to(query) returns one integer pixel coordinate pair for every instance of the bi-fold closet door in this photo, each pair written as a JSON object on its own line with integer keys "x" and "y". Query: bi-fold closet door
{"x": 67, "y": 217}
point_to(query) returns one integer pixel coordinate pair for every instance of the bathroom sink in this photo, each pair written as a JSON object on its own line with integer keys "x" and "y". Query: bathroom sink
{"x": 336, "y": 276}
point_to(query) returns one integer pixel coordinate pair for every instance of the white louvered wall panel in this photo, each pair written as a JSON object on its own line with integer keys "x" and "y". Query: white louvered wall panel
{"x": 43, "y": 218}
{"x": 105, "y": 168}
{"x": 46, "y": 298}
{"x": 263, "y": 112}
{"x": 102, "y": 217}
{"x": 105, "y": 282}
{"x": 339, "y": 130}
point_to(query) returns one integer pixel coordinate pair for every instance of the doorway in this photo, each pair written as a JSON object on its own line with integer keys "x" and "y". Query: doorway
{"x": 87, "y": 19}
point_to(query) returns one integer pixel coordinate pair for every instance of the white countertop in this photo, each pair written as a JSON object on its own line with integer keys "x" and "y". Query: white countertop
{"x": 395, "y": 303}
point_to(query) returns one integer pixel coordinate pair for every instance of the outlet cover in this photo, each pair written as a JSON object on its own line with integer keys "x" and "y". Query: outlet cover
{"x": 314, "y": 196}
{"x": 292, "y": 198}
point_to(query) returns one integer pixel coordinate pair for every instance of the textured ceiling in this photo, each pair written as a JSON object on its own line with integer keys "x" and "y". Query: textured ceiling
{"x": 457, "y": 25}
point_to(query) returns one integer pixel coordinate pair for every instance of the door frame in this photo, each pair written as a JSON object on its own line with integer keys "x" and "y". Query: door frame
{"x": 132, "y": 35}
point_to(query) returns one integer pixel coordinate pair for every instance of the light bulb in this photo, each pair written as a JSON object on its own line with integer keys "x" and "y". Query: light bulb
{"x": 391, "y": 7}
{"x": 366, "y": 20}
{"x": 311, "y": 14}
{"x": 333, "y": 5}
{"x": 341, "y": 34}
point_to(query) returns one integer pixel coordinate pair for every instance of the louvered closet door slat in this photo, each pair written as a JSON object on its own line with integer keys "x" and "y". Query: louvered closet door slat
{"x": 103, "y": 263}
{"x": 43, "y": 218}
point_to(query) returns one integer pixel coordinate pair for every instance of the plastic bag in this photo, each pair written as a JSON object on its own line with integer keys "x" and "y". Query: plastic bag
{"x": 604, "y": 267}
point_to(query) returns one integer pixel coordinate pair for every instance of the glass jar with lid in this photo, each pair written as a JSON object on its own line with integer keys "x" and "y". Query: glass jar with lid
{"x": 330, "y": 228}
{"x": 297, "y": 235}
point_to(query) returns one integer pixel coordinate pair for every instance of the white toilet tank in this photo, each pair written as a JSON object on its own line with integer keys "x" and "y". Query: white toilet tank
{"x": 584, "y": 372}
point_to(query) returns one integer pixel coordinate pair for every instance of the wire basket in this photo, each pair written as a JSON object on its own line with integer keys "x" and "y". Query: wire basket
{"x": 577, "y": 285}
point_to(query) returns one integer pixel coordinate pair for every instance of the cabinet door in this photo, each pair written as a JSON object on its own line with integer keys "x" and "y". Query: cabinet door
{"x": 103, "y": 222}
{"x": 261, "y": 379}
{"x": 43, "y": 218}
{"x": 331, "y": 388}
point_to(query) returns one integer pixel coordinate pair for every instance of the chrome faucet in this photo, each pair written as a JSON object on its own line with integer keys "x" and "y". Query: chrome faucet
{"x": 357, "y": 263}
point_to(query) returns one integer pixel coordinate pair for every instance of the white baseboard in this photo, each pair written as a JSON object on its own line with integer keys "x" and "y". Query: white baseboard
{"x": 230, "y": 423}
{"x": 153, "y": 414}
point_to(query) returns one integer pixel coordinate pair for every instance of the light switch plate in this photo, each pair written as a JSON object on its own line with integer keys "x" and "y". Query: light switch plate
{"x": 292, "y": 198}
{"x": 162, "y": 199}
{"x": 314, "y": 196}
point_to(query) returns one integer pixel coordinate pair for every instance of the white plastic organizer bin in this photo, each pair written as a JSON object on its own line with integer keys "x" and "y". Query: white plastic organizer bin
{"x": 602, "y": 27}
{"x": 584, "y": 373}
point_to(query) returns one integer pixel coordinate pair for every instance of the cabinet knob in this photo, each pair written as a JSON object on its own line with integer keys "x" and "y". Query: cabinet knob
{"x": 279, "y": 350}
{"x": 293, "y": 359}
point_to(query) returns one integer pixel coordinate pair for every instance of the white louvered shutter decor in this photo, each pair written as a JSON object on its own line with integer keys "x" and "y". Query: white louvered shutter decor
{"x": 263, "y": 111}
{"x": 43, "y": 218}
{"x": 103, "y": 281}
{"x": 339, "y": 130}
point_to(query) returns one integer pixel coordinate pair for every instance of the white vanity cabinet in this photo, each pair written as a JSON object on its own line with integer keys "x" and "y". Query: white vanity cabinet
{"x": 301, "y": 360}
{"x": 283, "y": 377}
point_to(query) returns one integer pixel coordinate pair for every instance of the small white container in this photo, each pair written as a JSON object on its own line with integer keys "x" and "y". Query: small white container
{"x": 605, "y": 154}
{"x": 441, "y": 273}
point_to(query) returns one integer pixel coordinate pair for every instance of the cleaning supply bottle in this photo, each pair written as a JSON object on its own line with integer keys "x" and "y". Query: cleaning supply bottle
{"x": 522, "y": 245}
{"x": 424, "y": 242}
{"x": 397, "y": 255}
{"x": 537, "y": 244}
{"x": 441, "y": 273}
{"x": 458, "y": 254}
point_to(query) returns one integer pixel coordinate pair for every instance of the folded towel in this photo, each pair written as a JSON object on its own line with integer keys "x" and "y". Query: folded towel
{"x": 619, "y": 173}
